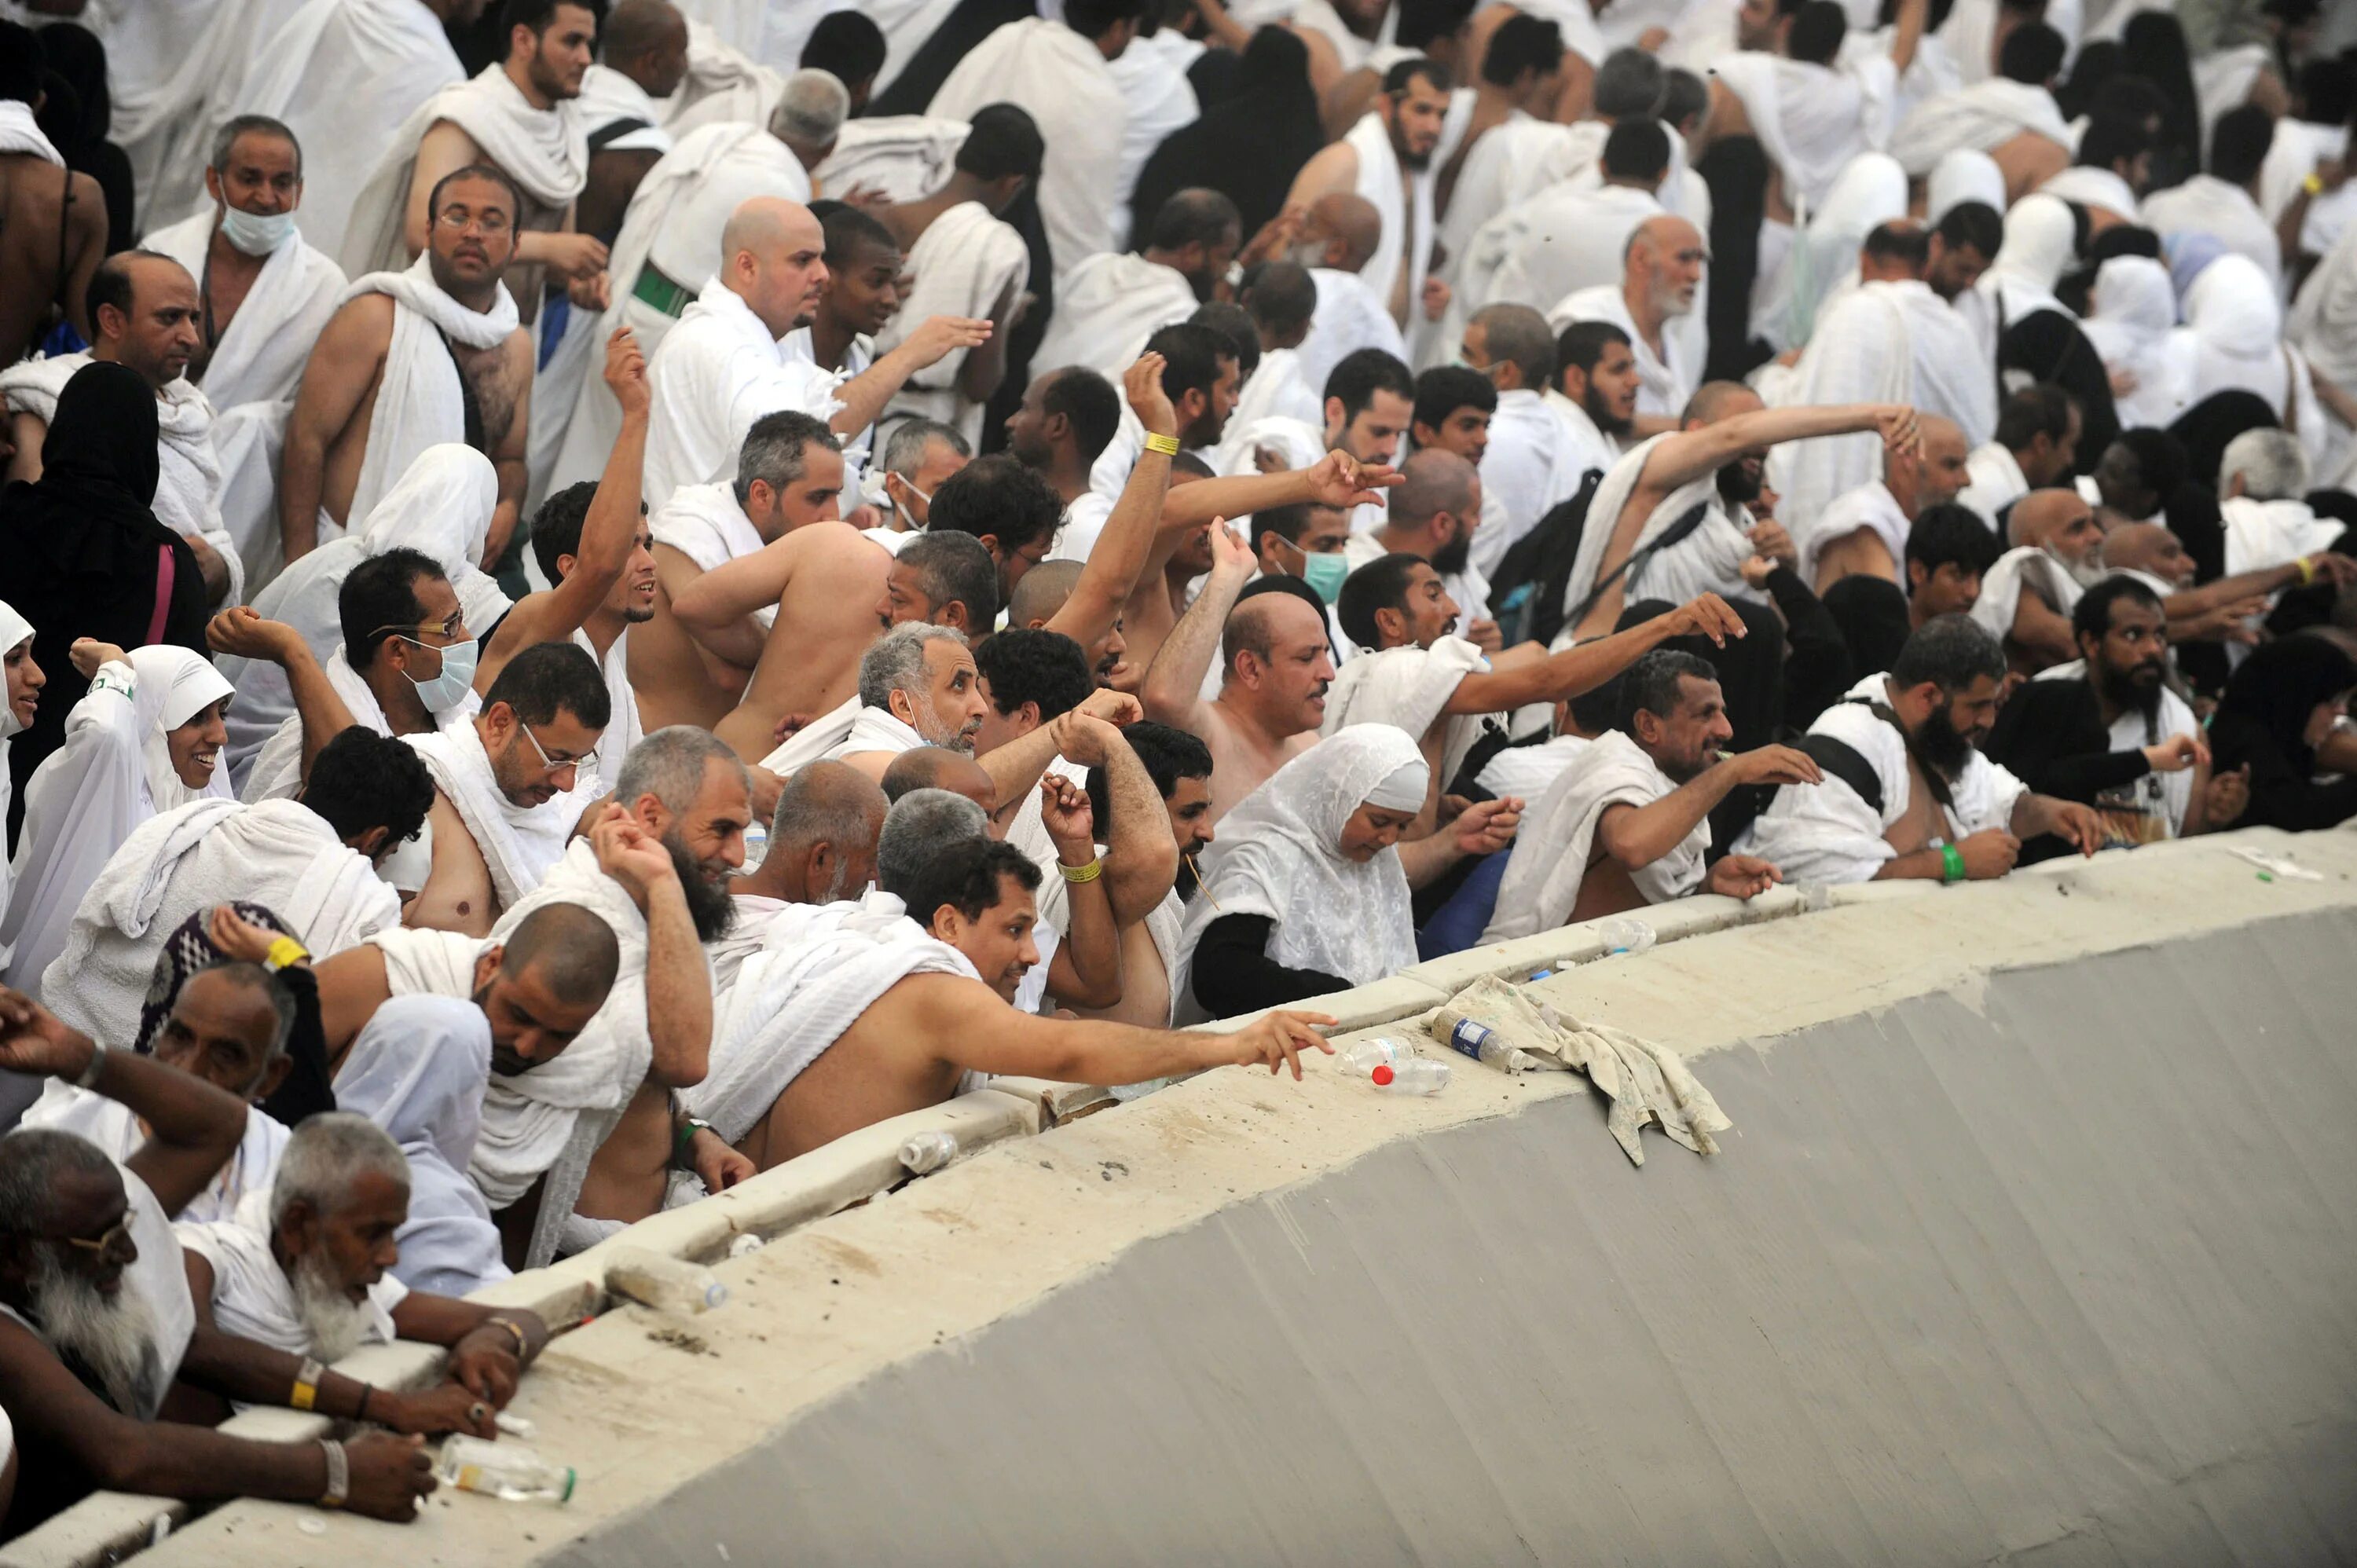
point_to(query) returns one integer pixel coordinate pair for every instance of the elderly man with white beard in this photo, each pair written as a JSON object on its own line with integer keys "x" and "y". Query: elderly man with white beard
{"x": 305, "y": 1269}
{"x": 2026, "y": 597}
{"x": 96, "y": 1320}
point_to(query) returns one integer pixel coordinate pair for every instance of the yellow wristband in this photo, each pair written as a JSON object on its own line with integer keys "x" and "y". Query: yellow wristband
{"x": 283, "y": 951}
{"x": 2313, "y": 185}
{"x": 2307, "y": 571}
{"x": 1080, "y": 873}
{"x": 1166, "y": 444}
{"x": 306, "y": 1385}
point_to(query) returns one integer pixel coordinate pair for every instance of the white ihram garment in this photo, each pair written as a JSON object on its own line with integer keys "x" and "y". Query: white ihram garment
{"x": 964, "y": 263}
{"x": 716, "y": 373}
{"x": 253, "y": 1296}
{"x": 1106, "y": 307}
{"x": 1409, "y": 689}
{"x": 520, "y": 844}
{"x": 1558, "y": 839}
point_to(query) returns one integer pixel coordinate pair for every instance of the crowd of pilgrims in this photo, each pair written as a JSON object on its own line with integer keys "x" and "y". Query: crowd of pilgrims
{"x": 583, "y": 623}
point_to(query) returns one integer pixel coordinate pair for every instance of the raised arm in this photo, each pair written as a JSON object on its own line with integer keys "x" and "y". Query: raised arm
{"x": 862, "y": 397}
{"x": 1587, "y": 665}
{"x": 1086, "y": 969}
{"x": 679, "y": 983}
{"x": 1174, "y": 681}
{"x": 1125, "y": 548}
{"x": 732, "y": 590}
{"x": 1691, "y": 454}
{"x": 1015, "y": 767}
{"x": 1141, "y": 856}
{"x": 193, "y": 1128}
{"x": 609, "y": 533}
{"x": 1336, "y": 480}
{"x": 241, "y": 632}
{"x": 1912, "y": 16}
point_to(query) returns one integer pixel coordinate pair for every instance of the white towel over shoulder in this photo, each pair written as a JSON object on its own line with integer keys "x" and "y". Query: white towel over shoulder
{"x": 520, "y": 844}
{"x": 1558, "y": 839}
{"x": 1409, "y": 689}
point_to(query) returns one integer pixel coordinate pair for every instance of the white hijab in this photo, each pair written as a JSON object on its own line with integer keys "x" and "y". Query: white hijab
{"x": 14, "y": 628}
{"x": 2040, "y": 236}
{"x": 2237, "y": 327}
{"x": 174, "y": 686}
{"x": 1278, "y": 855}
{"x": 2133, "y": 312}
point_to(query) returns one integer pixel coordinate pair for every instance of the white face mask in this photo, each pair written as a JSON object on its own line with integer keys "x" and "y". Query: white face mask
{"x": 255, "y": 233}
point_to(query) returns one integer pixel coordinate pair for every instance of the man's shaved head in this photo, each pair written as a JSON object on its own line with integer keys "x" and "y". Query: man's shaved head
{"x": 1714, "y": 400}
{"x": 774, "y": 255}
{"x": 1666, "y": 233}
{"x": 2150, "y": 548}
{"x": 1432, "y": 480}
{"x": 571, "y": 950}
{"x": 2038, "y": 516}
{"x": 766, "y": 220}
{"x": 634, "y": 27}
{"x": 1352, "y": 219}
{"x": 938, "y": 768}
{"x": 829, "y": 803}
{"x": 1042, "y": 592}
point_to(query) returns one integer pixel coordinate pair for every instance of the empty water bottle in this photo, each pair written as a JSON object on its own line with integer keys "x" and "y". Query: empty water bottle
{"x": 1470, "y": 1038}
{"x": 1417, "y": 1075}
{"x": 504, "y": 1470}
{"x": 1625, "y": 936}
{"x": 927, "y": 1152}
{"x": 668, "y": 1284}
{"x": 1363, "y": 1056}
{"x": 1815, "y": 896}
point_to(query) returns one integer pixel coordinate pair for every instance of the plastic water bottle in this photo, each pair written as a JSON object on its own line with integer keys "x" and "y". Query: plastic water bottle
{"x": 668, "y": 1284}
{"x": 927, "y": 1152}
{"x": 1469, "y": 1038}
{"x": 1417, "y": 1075}
{"x": 509, "y": 1471}
{"x": 1364, "y": 1056}
{"x": 1625, "y": 936}
{"x": 1815, "y": 896}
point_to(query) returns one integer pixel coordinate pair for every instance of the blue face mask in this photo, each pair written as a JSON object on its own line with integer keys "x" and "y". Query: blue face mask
{"x": 1324, "y": 573}
{"x": 449, "y": 689}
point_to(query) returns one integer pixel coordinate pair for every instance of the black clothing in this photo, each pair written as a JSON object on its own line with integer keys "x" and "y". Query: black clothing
{"x": 1233, "y": 972}
{"x": 2262, "y": 722}
{"x": 1874, "y": 617}
{"x": 87, "y": 557}
{"x": 308, "y": 1088}
{"x": 1248, "y": 147}
{"x": 2050, "y": 348}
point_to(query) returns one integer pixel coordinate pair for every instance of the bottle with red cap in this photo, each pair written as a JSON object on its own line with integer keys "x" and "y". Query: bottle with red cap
{"x": 1393, "y": 1066}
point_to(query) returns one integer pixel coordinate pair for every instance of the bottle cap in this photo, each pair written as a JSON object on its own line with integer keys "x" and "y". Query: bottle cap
{"x": 1382, "y": 1074}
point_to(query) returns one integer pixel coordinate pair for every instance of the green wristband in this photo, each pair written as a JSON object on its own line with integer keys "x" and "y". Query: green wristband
{"x": 1952, "y": 864}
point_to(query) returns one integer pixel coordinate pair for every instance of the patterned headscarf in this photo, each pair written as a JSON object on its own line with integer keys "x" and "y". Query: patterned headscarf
{"x": 187, "y": 950}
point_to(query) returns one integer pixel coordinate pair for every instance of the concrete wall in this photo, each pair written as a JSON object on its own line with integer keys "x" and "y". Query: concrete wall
{"x": 1994, "y": 1264}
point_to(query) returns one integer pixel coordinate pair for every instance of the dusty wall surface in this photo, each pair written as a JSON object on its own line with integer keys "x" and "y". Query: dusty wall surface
{"x": 2031, "y": 1241}
{"x": 2068, "y": 1275}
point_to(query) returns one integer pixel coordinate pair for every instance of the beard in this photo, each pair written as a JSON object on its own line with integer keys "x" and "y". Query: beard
{"x": 1739, "y": 482}
{"x": 708, "y": 903}
{"x": 113, "y": 1339}
{"x": 1452, "y": 557}
{"x": 333, "y": 1322}
{"x": 935, "y": 733}
{"x": 1941, "y": 745}
{"x": 2086, "y": 570}
{"x": 2122, "y": 688}
{"x": 1601, "y": 415}
{"x": 637, "y": 614}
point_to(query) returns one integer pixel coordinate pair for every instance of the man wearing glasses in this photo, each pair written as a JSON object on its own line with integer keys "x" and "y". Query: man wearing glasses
{"x": 412, "y": 359}
{"x": 509, "y": 786}
{"x": 96, "y": 1320}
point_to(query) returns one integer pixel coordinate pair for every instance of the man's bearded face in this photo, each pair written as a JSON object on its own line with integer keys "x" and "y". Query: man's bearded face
{"x": 706, "y": 885}
{"x": 112, "y": 1335}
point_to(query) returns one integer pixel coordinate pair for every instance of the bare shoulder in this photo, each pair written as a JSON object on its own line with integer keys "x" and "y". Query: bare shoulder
{"x": 837, "y": 545}
{"x": 360, "y": 322}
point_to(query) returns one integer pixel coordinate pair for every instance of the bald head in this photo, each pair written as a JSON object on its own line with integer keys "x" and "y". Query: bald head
{"x": 2057, "y": 520}
{"x": 1352, "y": 219}
{"x": 1432, "y": 481}
{"x": 938, "y": 768}
{"x": 2149, "y": 548}
{"x": 646, "y": 40}
{"x": 1937, "y": 474}
{"x": 1282, "y": 300}
{"x": 1714, "y": 400}
{"x": 1042, "y": 592}
{"x": 145, "y": 308}
{"x": 831, "y": 802}
{"x": 774, "y": 258}
{"x": 569, "y": 950}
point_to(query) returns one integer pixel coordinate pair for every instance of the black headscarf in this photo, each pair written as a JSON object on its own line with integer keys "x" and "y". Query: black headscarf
{"x": 1248, "y": 147}
{"x": 2271, "y": 694}
{"x": 84, "y": 549}
{"x": 77, "y": 118}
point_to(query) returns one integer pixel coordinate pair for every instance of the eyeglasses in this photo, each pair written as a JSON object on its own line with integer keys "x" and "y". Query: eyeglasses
{"x": 587, "y": 759}
{"x": 116, "y": 1243}
{"x": 454, "y": 629}
{"x": 457, "y": 219}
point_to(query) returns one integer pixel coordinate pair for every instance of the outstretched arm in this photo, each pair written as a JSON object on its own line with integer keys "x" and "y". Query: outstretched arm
{"x": 1587, "y": 665}
{"x": 977, "y": 1031}
{"x": 732, "y": 590}
{"x": 608, "y": 534}
{"x": 862, "y": 397}
{"x": 1912, "y": 16}
{"x": 1686, "y": 456}
{"x": 1336, "y": 480}
{"x": 1636, "y": 836}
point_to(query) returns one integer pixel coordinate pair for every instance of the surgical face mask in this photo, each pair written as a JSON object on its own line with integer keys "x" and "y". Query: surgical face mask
{"x": 1324, "y": 573}
{"x": 255, "y": 233}
{"x": 916, "y": 523}
{"x": 449, "y": 689}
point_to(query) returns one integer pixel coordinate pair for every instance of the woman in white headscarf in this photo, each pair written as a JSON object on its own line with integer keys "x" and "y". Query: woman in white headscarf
{"x": 1303, "y": 892}
{"x": 2041, "y": 238}
{"x": 24, "y": 683}
{"x": 146, "y": 739}
{"x": 2235, "y": 322}
{"x": 2132, "y": 322}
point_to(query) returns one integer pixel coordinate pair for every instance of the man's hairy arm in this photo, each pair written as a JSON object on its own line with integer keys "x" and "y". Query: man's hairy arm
{"x": 1174, "y": 681}
{"x": 1123, "y": 549}
{"x": 1689, "y": 455}
{"x": 975, "y": 1030}
{"x": 1587, "y": 665}
{"x": 343, "y": 365}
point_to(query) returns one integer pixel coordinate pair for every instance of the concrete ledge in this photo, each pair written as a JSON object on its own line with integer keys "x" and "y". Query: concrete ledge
{"x": 837, "y": 1296}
